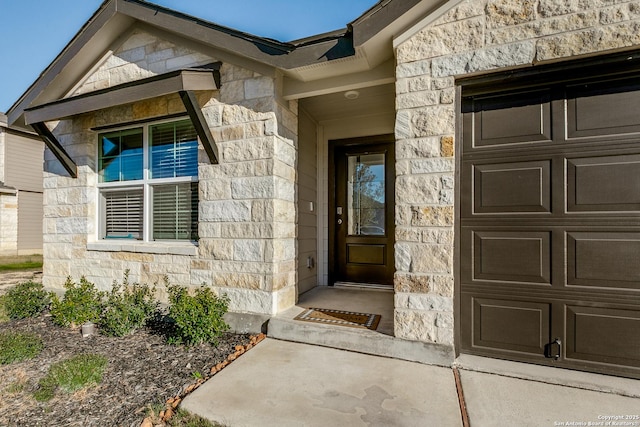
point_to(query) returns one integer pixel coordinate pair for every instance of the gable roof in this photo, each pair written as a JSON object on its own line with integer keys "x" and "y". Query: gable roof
{"x": 364, "y": 45}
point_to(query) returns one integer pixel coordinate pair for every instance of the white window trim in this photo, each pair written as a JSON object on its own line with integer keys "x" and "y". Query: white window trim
{"x": 147, "y": 244}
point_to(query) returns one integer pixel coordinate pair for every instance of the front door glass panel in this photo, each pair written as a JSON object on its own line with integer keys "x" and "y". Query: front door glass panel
{"x": 366, "y": 195}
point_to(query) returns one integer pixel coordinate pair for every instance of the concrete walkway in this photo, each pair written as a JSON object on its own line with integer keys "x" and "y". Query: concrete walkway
{"x": 281, "y": 383}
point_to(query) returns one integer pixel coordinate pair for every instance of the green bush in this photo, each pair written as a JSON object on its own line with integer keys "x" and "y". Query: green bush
{"x": 81, "y": 303}
{"x": 72, "y": 374}
{"x": 197, "y": 318}
{"x": 27, "y": 299}
{"x": 126, "y": 308}
{"x": 16, "y": 347}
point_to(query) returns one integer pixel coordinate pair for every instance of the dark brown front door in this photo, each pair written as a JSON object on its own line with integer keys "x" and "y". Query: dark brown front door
{"x": 361, "y": 215}
{"x": 550, "y": 224}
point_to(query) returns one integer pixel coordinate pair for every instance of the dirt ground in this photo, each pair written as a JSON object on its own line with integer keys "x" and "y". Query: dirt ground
{"x": 143, "y": 371}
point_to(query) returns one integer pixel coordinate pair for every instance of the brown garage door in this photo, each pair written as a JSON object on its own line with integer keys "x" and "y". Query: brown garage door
{"x": 549, "y": 267}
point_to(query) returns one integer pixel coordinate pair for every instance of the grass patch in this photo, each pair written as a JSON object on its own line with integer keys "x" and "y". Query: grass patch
{"x": 15, "y": 387}
{"x": 4, "y": 316}
{"x": 71, "y": 375}
{"x": 16, "y": 347}
{"x": 20, "y": 262}
{"x": 21, "y": 266}
{"x": 181, "y": 418}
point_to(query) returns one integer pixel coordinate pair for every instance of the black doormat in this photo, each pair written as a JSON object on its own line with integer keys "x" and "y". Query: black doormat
{"x": 340, "y": 318}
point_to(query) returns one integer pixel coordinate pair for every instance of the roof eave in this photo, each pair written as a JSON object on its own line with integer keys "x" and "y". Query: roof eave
{"x": 55, "y": 81}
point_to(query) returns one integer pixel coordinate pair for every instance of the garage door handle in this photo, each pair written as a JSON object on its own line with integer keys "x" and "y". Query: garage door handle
{"x": 552, "y": 350}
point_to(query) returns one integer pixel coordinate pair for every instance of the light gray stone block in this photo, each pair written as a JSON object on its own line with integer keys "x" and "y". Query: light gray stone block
{"x": 225, "y": 211}
{"x": 491, "y": 58}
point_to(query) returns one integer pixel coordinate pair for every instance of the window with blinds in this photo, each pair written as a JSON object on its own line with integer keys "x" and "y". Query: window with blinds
{"x": 159, "y": 160}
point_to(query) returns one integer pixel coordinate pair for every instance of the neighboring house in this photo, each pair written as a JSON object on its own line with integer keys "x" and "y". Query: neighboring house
{"x": 505, "y": 134}
{"x": 21, "y": 160}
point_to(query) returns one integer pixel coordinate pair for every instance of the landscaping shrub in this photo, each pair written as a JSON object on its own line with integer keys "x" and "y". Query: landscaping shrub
{"x": 27, "y": 299}
{"x": 72, "y": 374}
{"x": 127, "y": 307}
{"x": 16, "y": 347}
{"x": 81, "y": 303}
{"x": 197, "y": 318}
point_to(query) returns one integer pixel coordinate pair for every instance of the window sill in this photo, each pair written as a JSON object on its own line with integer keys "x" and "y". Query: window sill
{"x": 171, "y": 248}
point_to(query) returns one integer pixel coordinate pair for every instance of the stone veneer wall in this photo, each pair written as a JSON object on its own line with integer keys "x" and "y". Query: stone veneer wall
{"x": 247, "y": 210}
{"x": 476, "y": 36}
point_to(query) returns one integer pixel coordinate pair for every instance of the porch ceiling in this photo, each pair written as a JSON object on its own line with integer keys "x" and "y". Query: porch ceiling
{"x": 371, "y": 101}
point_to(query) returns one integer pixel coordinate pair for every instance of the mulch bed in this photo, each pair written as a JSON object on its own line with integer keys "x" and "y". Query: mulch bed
{"x": 143, "y": 370}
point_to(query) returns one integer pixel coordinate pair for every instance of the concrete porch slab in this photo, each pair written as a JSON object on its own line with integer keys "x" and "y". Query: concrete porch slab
{"x": 380, "y": 342}
{"x": 280, "y": 383}
{"x": 359, "y": 300}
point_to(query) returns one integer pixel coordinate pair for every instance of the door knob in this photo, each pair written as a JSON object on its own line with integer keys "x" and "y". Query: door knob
{"x": 339, "y": 221}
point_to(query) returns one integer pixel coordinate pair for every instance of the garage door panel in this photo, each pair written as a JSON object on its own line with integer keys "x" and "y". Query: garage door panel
{"x": 523, "y": 187}
{"x": 603, "y": 108}
{"x": 550, "y": 228}
{"x": 603, "y": 259}
{"x": 522, "y": 257}
{"x": 509, "y": 119}
{"x": 605, "y": 184}
{"x": 511, "y": 325}
{"x": 605, "y": 335}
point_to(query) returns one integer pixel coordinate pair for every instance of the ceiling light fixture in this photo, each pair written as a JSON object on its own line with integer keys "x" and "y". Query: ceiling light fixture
{"x": 352, "y": 94}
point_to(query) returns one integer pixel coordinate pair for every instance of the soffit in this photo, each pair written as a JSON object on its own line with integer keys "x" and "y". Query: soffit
{"x": 373, "y": 35}
{"x": 371, "y": 101}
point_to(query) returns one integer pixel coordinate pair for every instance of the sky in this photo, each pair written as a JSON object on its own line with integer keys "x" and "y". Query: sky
{"x": 34, "y": 32}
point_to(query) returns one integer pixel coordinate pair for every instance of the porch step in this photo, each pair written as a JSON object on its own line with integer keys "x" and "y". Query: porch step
{"x": 283, "y": 327}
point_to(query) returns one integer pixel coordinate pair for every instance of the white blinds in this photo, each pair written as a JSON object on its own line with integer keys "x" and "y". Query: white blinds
{"x": 124, "y": 211}
{"x": 174, "y": 150}
{"x": 175, "y": 211}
